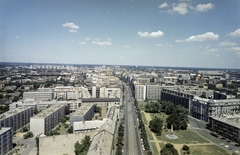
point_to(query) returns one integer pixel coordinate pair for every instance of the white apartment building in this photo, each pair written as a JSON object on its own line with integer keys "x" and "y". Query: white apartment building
{"x": 6, "y": 144}
{"x": 16, "y": 118}
{"x": 204, "y": 108}
{"x": 44, "y": 96}
{"x": 46, "y": 120}
{"x": 140, "y": 92}
{"x": 84, "y": 113}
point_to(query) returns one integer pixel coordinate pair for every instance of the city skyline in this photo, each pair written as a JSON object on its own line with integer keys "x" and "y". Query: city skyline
{"x": 177, "y": 33}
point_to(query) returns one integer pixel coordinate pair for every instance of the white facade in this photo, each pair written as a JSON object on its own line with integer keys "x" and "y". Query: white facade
{"x": 38, "y": 95}
{"x": 140, "y": 92}
{"x": 46, "y": 120}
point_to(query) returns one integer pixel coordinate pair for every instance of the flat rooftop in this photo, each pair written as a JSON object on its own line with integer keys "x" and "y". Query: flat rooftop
{"x": 10, "y": 113}
{"x": 230, "y": 119}
{"x": 48, "y": 111}
{"x": 100, "y": 100}
{"x": 82, "y": 110}
{"x": 4, "y": 129}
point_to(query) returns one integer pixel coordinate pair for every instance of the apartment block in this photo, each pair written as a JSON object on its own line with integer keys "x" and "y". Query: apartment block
{"x": 47, "y": 120}
{"x": 38, "y": 95}
{"x": 16, "y": 118}
{"x": 140, "y": 92}
{"x": 153, "y": 92}
{"x": 84, "y": 113}
{"x": 6, "y": 143}
{"x": 226, "y": 125}
{"x": 203, "y": 109}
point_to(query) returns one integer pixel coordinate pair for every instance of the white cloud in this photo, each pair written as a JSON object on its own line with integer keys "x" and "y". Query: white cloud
{"x": 163, "y": 5}
{"x": 82, "y": 42}
{"x": 126, "y": 46}
{"x": 159, "y": 45}
{"x": 73, "y": 31}
{"x": 143, "y": 34}
{"x": 201, "y": 37}
{"x": 235, "y": 33}
{"x": 152, "y": 34}
{"x": 167, "y": 44}
{"x": 87, "y": 39}
{"x": 17, "y": 37}
{"x": 70, "y": 25}
{"x": 180, "y": 8}
{"x": 234, "y": 49}
{"x": 204, "y": 7}
{"x": 99, "y": 42}
{"x": 227, "y": 43}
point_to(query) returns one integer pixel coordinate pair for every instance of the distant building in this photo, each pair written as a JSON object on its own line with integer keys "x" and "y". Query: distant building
{"x": 153, "y": 92}
{"x": 140, "y": 92}
{"x": 204, "y": 108}
{"x": 221, "y": 95}
{"x": 6, "y": 144}
{"x": 84, "y": 113}
{"x": 44, "y": 96}
{"x": 46, "y": 120}
{"x": 16, "y": 118}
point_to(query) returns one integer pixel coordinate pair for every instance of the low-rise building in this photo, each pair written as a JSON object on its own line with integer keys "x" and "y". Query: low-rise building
{"x": 46, "y": 120}
{"x": 6, "y": 144}
{"x": 16, "y": 118}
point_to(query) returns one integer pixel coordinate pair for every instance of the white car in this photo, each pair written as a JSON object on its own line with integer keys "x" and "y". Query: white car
{"x": 226, "y": 146}
{"x": 221, "y": 144}
{"x": 236, "y": 151}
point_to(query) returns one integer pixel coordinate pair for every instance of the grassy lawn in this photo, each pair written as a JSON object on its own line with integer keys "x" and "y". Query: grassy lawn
{"x": 154, "y": 148}
{"x": 62, "y": 129}
{"x": 149, "y": 133}
{"x": 144, "y": 119}
{"x": 206, "y": 150}
{"x": 162, "y": 145}
{"x": 184, "y": 137}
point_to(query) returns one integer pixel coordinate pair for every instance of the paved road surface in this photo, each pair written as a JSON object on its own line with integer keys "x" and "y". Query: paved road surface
{"x": 132, "y": 142}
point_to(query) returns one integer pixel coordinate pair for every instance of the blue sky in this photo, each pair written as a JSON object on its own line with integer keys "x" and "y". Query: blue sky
{"x": 177, "y": 33}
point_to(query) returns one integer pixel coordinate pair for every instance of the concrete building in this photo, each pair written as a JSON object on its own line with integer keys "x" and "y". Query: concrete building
{"x": 46, "y": 120}
{"x": 153, "y": 92}
{"x": 222, "y": 95}
{"x": 84, "y": 113}
{"x": 16, "y": 118}
{"x": 183, "y": 94}
{"x": 140, "y": 92}
{"x": 6, "y": 143}
{"x": 204, "y": 108}
{"x": 226, "y": 125}
{"x": 44, "y": 96}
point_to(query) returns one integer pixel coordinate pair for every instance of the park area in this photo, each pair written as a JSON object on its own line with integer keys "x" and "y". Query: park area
{"x": 198, "y": 145}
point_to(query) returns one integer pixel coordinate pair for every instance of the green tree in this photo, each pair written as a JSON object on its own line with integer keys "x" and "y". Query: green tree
{"x": 185, "y": 147}
{"x": 70, "y": 130}
{"x": 37, "y": 144}
{"x": 169, "y": 150}
{"x": 81, "y": 149}
{"x": 29, "y": 134}
{"x": 35, "y": 110}
{"x": 156, "y": 125}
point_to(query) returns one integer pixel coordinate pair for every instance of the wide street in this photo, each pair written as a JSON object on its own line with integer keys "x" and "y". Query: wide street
{"x": 199, "y": 127}
{"x": 132, "y": 140}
